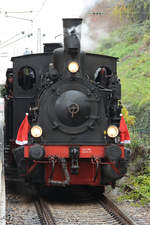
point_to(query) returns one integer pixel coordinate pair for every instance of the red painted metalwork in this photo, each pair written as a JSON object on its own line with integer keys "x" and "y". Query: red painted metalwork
{"x": 63, "y": 151}
{"x": 87, "y": 164}
{"x": 86, "y": 174}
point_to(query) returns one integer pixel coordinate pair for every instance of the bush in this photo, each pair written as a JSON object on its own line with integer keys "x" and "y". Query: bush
{"x": 108, "y": 43}
{"x": 135, "y": 33}
{"x": 139, "y": 171}
{"x": 141, "y": 189}
{"x": 130, "y": 120}
{"x": 146, "y": 39}
{"x": 146, "y": 24}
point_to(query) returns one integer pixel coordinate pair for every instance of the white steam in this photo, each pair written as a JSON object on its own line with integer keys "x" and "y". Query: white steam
{"x": 90, "y": 41}
{"x": 74, "y": 29}
{"x": 87, "y": 4}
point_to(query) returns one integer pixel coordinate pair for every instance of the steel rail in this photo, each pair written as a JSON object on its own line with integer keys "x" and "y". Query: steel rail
{"x": 44, "y": 213}
{"x": 113, "y": 209}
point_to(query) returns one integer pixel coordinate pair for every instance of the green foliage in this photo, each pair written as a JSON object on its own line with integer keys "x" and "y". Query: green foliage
{"x": 133, "y": 69}
{"x": 120, "y": 10}
{"x": 138, "y": 146}
{"x": 123, "y": 41}
{"x": 108, "y": 43}
{"x": 130, "y": 120}
{"x": 146, "y": 24}
{"x": 146, "y": 39}
{"x": 141, "y": 189}
{"x": 132, "y": 11}
{"x": 133, "y": 36}
{"x": 144, "y": 103}
{"x": 140, "y": 178}
{"x": 2, "y": 90}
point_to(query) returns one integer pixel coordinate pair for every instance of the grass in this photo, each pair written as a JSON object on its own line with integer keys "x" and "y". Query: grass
{"x": 133, "y": 49}
{"x": 140, "y": 192}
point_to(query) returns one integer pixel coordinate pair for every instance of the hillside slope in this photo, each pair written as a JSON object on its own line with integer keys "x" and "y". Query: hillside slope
{"x": 131, "y": 44}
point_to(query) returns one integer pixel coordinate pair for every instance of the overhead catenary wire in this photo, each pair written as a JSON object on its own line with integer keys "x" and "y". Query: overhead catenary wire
{"x": 7, "y": 14}
{"x": 20, "y": 12}
{"x": 20, "y": 18}
{"x": 15, "y": 15}
{"x": 2, "y": 56}
{"x": 14, "y": 36}
{"x": 42, "y": 6}
{"x": 28, "y": 35}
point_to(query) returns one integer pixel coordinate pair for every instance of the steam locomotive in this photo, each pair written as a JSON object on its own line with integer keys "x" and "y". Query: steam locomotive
{"x": 73, "y": 101}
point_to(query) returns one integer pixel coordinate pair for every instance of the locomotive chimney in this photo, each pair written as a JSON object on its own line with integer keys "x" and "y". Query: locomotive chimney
{"x": 72, "y": 34}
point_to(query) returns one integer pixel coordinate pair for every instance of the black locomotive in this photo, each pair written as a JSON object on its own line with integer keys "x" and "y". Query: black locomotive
{"x": 73, "y": 99}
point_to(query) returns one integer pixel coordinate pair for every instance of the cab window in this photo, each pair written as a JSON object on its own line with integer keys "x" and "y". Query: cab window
{"x": 26, "y": 77}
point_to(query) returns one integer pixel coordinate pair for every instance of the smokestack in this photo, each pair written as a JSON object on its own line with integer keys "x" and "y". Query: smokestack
{"x": 72, "y": 34}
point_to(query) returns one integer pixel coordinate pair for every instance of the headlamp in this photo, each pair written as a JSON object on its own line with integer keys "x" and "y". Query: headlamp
{"x": 112, "y": 131}
{"x": 73, "y": 67}
{"x": 36, "y": 131}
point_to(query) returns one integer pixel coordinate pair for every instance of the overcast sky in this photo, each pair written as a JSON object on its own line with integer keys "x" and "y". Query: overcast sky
{"x": 46, "y": 15}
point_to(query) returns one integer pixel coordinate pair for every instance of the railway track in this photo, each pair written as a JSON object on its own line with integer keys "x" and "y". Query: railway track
{"x": 113, "y": 209}
{"x": 87, "y": 209}
{"x": 44, "y": 213}
{"x": 70, "y": 206}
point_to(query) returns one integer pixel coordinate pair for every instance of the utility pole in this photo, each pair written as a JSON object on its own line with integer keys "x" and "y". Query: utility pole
{"x": 39, "y": 40}
{"x": 40, "y": 37}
